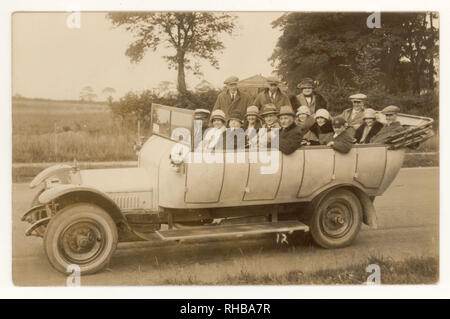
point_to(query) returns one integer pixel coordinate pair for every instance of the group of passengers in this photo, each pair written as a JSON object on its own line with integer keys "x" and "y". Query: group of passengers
{"x": 312, "y": 124}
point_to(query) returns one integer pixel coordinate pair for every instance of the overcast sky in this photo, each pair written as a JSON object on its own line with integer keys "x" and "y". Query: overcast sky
{"x": 51, "y": 60}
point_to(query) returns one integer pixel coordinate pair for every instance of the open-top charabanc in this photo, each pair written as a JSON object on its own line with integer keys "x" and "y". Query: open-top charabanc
{"x": 83, "y": 214}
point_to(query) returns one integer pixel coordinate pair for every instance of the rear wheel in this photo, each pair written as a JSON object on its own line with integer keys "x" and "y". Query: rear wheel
{"x": 336, "y": 219}
{"x": 80, "y": 234}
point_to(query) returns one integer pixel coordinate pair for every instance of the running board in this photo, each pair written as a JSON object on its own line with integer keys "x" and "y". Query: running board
{"x": 232, "y": 230}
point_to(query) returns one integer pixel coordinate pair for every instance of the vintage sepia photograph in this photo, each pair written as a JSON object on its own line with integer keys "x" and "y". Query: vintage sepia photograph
{"x": 225, "y": 148}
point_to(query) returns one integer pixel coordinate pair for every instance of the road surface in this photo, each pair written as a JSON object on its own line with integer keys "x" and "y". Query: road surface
{"x": 408, "y": 218}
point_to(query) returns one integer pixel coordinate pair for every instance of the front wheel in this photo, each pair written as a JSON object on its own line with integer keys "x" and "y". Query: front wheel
{"x": 80, "y": 234}
{"x": 336, "y": 219}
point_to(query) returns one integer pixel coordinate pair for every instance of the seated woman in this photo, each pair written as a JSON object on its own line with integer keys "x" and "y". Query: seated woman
{"x": 305, "y": 121}
{"x": 369, "y": 128}
{"x": 252, "y": 124}
{"x": 322, "y": 131}
{"x": 214, "y": 135}
{"x": 234, "y": 136}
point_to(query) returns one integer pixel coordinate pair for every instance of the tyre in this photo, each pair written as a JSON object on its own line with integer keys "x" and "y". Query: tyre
{"x": 81, "y": 234}
{"x": 336, "y": 219}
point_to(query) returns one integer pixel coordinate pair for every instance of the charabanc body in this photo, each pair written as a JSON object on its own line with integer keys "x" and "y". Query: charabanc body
{"x": 83, "y": 214}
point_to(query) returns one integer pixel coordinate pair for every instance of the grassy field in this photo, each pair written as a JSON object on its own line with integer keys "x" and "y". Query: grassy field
{"x": 52, "y": 131}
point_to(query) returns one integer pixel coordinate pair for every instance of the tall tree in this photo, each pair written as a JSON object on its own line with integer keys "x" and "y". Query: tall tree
{"x": 192, "y": 35}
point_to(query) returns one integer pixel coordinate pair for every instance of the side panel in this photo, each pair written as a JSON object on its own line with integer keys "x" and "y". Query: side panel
{"x": 394, "y": 161}
{"x": 345, "y": 166}
{"x": 235, "y": 178}
{"x": 204, "y": 182}
{"x": 292, "y": 175}
{"x": 371, "y": 164}
{"x": 318, "y": 170}
{"x": 264, "y": 178}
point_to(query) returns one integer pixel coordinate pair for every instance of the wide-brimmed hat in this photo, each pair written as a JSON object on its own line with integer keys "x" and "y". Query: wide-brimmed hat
{"x": 252, "y": 110}
{"x": 358, "y": 97}
{"x": 269, "y": 108}
{"x": 286, "y": 110}
{"x": 369, "y": 114}
{"x": 231, "y": 80}
{"x": 303, "y": 110}
{"x": 306, "y": 83}
{"x": 322, "y": 113}
{"x": 218, "y": 114}
{"x": 391, "y": 109}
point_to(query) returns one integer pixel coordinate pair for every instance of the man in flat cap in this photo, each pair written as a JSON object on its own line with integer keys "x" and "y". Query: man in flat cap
{"x": 354, "y": 116}
{"x": 201, "y": 121}
{"x": 391, "y": 127}
{"x": 271, "y": 94}
{"x": 232, "y": 100}
{"x": 291, "y": 135}
{"x": 342, "y": 141}
{"x": 309, "y": 97}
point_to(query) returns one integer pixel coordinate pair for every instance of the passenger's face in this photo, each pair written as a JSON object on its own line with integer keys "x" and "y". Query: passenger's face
{"x": 302, "y": 117}
{"x": 338, "y": 130}
{"x": 235, "y": 124}
{"x": 358, "y": 105}
{"x": 321, "y": 121}
{"x": 369, "y": 121}
{"x": 390, "y": 118}
{"x": 270, "y": 119}
{"x": 286, "y": 120}
{"x": 307, "y": 91}
{"x": 232, "y": 87}
{"x": 217, "y": 123}
{"x": 251, "y": 119}
{"x": 204, "y": 121}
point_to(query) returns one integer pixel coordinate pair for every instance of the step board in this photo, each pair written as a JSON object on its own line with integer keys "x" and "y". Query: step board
{"x": 232, "y": 230}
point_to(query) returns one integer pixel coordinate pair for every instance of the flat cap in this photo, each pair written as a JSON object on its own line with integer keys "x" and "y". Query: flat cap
{"x": 358, "y": 96}
{"x": 338, "y": 122}
{"x": 269, "y": 108}
{"x": 322, "y": 113}
{"x": 231, "y": 80}
{"x": 273, "y": 79}
{"x": 201, "y": 113}
{"x": 370, "y": 114}
{"x": 286, "y": 110}
{"x": 391, "y": 109}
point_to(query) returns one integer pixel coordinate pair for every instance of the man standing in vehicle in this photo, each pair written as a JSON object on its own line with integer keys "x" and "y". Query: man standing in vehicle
{"x": 232, "y": 100}
{"x": 309, "y": 97}
{"x": 272, "y": 94}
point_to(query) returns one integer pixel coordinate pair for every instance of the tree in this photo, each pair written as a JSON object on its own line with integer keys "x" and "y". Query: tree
{"x": 192, "y": 35}
{"x": 87, "y": 94}
{"x": 108, "y": 92}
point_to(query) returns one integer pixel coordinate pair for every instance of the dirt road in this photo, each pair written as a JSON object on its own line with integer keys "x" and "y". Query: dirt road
{"x": 408, "y": 217}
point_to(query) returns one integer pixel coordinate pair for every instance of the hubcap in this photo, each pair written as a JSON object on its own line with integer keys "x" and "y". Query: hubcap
{"x": 82, "y": 241}
{"x": 336, "y": 219}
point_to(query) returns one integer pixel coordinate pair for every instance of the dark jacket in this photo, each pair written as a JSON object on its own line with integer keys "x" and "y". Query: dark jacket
{"x": 264, "y": 98}
{"x": 238, "y": 106}
{"x": 376, "y": 127}
{"x": 387, "y": 131}
{"x": 342, "y": 143}
{"x": 290, "y": 139}
{"x": 322, "y": 134}
{"x": 317, "y": 102}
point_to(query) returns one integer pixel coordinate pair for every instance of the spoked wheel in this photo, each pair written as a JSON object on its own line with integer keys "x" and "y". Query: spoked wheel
{"x": 337, "y": 219}
{"x": 80, "y": 234}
